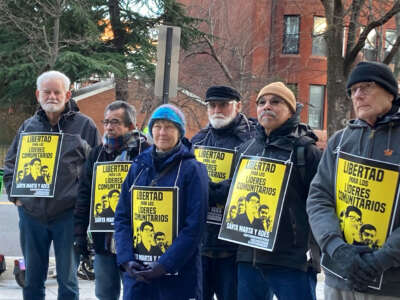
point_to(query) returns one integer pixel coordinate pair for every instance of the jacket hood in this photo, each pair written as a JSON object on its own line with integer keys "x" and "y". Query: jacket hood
{"x": 239, "y": 125}
{"x": 391, "y": 120}
{"x": 184, "y": 150}
{"x": 392, "y": 116}
{"x": 71, "y": 108}
{"x": 238, "y": 131}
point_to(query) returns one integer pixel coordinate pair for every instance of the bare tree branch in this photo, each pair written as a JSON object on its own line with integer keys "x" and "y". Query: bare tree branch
{"x": 351, "y": 55}
{"x": 219, "y": 61}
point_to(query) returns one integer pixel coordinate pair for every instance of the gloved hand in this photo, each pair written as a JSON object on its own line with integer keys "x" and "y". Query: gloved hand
{"x": 80, "y": 246}
{"x": 348, "y": 260}
{"x": 376, "y": 262}
{"x": 132, "y": 268}
{"x": 155, "y": 270}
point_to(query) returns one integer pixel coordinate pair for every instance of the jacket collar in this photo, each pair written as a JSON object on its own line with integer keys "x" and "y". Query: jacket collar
{"x": 182, "y": 151}
{"x": 71, "y": 108}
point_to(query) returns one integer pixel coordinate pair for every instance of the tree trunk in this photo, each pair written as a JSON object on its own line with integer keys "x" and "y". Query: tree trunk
{"x": 339, "y": 107}
{"x": 397, "y": 56}
{"x": 121, "y": 88}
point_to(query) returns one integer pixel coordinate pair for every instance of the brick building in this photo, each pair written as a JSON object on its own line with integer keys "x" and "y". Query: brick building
{"x": 93, "y": 99}
{"x": 259, "y": 41}
{"x": 252, "y": 43}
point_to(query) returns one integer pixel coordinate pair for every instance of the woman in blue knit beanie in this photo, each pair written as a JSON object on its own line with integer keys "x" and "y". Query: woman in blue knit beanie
{"x": 172, "y": 272}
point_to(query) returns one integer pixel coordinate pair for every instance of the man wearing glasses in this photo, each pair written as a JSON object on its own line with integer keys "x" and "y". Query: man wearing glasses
{"x": 374, "y": 134}
{"x": 352, "y": 222}
{"x": 121, "y": 142}
{"x": 279, "y": 134}
{"x": 251, "y": 214}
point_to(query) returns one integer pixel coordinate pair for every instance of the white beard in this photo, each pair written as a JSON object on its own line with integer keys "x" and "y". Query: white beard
{"x": 219, "y": 120}
{"x": 51, "y": 107}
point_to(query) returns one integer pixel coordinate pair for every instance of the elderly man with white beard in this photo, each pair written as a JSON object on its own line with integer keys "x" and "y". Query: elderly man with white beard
{"x": 227, "y": 129}
{"x": 47, "y": 219}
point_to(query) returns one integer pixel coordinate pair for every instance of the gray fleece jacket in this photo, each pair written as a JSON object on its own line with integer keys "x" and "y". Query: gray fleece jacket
{"x": 360, "y": 139}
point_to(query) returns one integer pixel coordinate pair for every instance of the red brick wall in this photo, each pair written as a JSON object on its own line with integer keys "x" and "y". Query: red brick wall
{"x": 142, "y": 98}
{"x": 94, "y": 106}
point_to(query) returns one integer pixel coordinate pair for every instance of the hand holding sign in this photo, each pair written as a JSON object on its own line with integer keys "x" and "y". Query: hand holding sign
{"x": 373, "y": 260}
{"x": 133, "y": 268}
{"x": 154, "y": 271}
{"x": 347, "y": 257}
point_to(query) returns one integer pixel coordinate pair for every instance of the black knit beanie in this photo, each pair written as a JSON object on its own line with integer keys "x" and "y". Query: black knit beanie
{"x": 367, "y": 71}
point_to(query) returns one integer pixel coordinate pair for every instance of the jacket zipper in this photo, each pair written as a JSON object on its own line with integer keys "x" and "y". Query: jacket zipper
{"x": 371, "y": 144}
{"x": 293, "y": 223}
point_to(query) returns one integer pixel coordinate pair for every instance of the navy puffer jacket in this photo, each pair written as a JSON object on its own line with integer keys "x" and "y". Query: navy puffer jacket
{"x": 183, "y": 256}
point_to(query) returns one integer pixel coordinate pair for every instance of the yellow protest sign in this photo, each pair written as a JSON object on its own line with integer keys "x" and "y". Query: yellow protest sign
{"x": 366, "y": 192}
{"x": 36, "y": 165}
{"x": 255, "y": 202}
{"x": 219, "y": 164}
{"x": 154, "y": 221}
{"x": 366, "y": 198}
{"x": 106, "y": 188}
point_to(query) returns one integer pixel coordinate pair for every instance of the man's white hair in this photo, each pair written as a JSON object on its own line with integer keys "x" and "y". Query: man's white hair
{"x": 53, "y": 74}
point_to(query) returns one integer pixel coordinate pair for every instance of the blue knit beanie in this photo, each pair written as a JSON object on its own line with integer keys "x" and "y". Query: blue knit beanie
{"x": 171, "y": 113}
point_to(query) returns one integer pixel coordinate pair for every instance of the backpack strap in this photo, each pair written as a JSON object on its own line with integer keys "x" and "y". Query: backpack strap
{"x": 301, "y": 161}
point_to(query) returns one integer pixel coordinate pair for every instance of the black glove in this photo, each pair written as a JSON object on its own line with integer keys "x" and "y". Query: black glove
{"x": 155, "y": 270}
{"x": 348, "y": 260}
{"x": 132, "y": 268}
{"x": 80, "y": 246}
{"x": 373, "y": 262}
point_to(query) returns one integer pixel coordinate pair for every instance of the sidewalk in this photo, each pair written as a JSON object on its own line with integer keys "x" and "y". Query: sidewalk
{"x": 10, "y": 290}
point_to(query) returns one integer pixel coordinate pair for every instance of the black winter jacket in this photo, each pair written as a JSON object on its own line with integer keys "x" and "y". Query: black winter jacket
{"x": 80, "y": 135}
{"x": 82, "y": 208}
{"x": 237, "y": 132}
{"x": 293, "y": 234}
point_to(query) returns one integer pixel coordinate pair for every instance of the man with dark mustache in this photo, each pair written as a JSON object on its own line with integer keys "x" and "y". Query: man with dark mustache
{"x": 280, "y": 135}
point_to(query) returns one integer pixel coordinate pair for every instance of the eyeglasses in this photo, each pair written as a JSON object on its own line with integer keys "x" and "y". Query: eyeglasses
{"x": 254, "y": 200}
{"x": 354, "y": 219}
{"x": 112, "y": 122}
{"x": 275, "y": 101}
{"x": 364, "y": 87}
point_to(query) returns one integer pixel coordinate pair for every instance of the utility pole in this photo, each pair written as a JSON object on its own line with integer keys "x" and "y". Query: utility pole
{"x": 168, "y": 47}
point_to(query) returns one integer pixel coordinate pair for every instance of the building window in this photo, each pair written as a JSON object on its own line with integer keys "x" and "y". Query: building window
{"x": 293, "y": 88}
{"x": 291, "y": 35}
{"x": 316, "y": 106}
{"x": 318, "y": 41}
{"x": 370, "y": 49}
{"x": 390, "y": 39}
